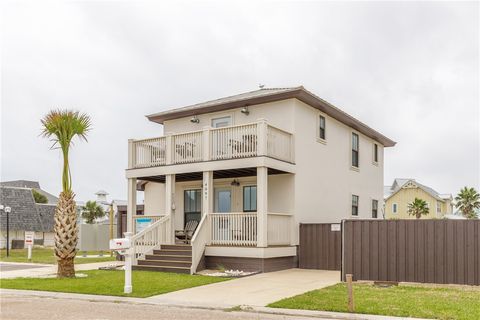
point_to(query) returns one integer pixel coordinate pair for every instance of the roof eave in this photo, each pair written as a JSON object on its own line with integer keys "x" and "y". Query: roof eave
{"x": 299, "y": 93}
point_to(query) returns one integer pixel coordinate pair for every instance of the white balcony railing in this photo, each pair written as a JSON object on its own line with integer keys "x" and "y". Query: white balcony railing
{"x": 233, "y": 228}
{"x": 241, "y": 141}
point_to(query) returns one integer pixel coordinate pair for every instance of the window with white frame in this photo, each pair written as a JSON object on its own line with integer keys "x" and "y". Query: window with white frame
{"x": 249, "y": 198}
{"x": 222, "y": 122}
{"x": 439, "y": 207}
{"x": 375, "y": 153}
{"x": 355, "y": 150}
{"x": 394, "y": 208}
{"x": 354, "y": 205}
{"x": 374, "y": 208}
{"x": 322, "y": 127}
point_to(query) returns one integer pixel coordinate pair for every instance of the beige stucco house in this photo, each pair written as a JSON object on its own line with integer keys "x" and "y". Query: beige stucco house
{"x": 404, "y": 191}
{"x": 250, "y": 168}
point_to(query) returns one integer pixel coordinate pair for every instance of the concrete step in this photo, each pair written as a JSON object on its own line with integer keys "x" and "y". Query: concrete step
{"x": 162, "y": 268}
{"x": 182, "y": 247}
{"x": 173, "y": 252}
{"x": 168, "y": 257}
{"x": 166, "y": 263}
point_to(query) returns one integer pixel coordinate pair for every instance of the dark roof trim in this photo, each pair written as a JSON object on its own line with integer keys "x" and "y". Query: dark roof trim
{"x": 299, "y": 93}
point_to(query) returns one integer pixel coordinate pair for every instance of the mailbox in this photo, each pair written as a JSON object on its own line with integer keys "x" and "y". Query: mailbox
{"x": 120, "y": 244}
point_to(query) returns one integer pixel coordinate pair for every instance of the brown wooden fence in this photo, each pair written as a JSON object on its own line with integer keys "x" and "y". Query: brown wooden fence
{"x": 430, "y": 251}
{"x": 320, "y": 246}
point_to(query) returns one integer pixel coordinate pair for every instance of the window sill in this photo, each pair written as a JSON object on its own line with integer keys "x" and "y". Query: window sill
{"x": 357, "y": 169}
{"x": 322, "y": 141}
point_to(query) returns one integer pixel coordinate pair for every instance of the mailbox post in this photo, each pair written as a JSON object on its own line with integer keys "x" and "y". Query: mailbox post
{"x": 123, "y": 247}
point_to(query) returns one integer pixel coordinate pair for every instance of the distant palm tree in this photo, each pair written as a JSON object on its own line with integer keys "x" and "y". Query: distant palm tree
{"x": 62, "y": 126}
{"x": 468, "y": 201}
{"x": 418, "y": 208}
{"x": 92, "y": 211}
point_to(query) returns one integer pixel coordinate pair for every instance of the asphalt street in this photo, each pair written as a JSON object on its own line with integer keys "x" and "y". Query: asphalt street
{"x": 43, "y": 308}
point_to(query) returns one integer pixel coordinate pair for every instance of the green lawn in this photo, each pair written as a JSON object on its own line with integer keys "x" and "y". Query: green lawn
{"x": 402, "y": 301}
{"x": 45, "y": 255}
{"x": 102, "y": 282}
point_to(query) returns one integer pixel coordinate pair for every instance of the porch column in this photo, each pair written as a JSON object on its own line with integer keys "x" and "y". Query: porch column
{"x": 262, "y": 206}
{"x": 207, "y": 193}
{"x": 170, "y": 203}
{"x": 131, "y": 203}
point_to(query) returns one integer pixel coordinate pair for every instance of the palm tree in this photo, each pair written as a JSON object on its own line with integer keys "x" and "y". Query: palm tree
{"x": 468, "y": 201}
{"x": 92, "y": 211}
{"x": 62, "y": 126}
{"x": 418, "y": 208}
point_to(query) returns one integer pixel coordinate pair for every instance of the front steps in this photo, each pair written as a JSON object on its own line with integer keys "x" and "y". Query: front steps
{"x": 169, "y": 258}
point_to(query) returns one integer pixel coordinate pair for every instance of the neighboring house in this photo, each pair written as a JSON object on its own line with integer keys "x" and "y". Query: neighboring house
{"x": 404, "y": 191}
{"x": 250, "y": 168}
{"x": 26, "y": 215}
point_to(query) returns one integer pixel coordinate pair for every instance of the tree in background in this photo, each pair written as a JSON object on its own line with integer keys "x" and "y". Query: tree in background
{"x": 418, "y": 208}
{"x": 61, "y": 126}
{"x": 468, "y": 202}
{"x": 39, "y": 198}
{"x": 92, "y": 211}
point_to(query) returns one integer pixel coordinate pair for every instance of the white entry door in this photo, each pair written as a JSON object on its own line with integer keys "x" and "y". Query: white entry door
{"x": 223, "y": 200}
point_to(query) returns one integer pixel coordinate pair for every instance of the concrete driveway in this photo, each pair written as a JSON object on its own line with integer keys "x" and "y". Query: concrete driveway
{"x": 257, "y": 290}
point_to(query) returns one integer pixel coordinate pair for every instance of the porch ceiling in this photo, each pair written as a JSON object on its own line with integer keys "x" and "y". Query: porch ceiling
{"x": 195, "y": 176}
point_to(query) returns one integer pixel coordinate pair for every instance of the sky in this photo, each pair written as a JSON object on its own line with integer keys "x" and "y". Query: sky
{"x": 410, "y": 70}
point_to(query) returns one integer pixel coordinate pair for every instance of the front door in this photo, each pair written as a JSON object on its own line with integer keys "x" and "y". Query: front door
{"x": 192, "y": 205}
{"x": 223, "y": 200}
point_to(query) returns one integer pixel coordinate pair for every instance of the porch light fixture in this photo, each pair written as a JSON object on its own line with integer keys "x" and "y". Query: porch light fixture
{"x": 245, "y": 111}
{"x": 194, "y": 119}
{"x": 235, "y": 183}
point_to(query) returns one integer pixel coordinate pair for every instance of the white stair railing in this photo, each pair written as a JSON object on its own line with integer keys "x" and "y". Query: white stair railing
{"x": 199, "y": 241}
{"x": 150, "y": 238}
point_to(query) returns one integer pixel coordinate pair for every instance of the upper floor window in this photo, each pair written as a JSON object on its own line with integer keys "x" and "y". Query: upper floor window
{"x": 375, "y": 152}
{"x": 394, "y": 208}
{"x": 355, "y": 150}
{"x": 222, "y": 122}
{"x": 374, "y": 208}
{"x": 322, "y": 128}
{"x": 249, "y": 198}
{"x": 354, "y": 205}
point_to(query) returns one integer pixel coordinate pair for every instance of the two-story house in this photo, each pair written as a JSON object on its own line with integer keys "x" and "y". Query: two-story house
{"x": 404, "y": 191}
{"x": 250, "y": 168}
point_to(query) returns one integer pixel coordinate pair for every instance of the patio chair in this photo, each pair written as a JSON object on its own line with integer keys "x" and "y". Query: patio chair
{"x": 187, "y": 233}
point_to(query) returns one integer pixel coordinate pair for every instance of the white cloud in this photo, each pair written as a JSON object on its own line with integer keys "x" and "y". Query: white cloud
{"x": 410, "y": 70}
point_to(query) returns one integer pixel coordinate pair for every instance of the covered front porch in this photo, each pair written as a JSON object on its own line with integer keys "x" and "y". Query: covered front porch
{"x": 236, "y": 208}
{"x": 233, "y": 201}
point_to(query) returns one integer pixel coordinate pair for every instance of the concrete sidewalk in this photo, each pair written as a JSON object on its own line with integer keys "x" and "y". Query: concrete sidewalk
{"x": 257, "y": 290}
{"x": 40, "y": 270}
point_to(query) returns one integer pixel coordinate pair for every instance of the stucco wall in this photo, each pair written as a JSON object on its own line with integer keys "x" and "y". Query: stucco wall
{"x": 325, "y": 180}
{"x": 278, "y": 114}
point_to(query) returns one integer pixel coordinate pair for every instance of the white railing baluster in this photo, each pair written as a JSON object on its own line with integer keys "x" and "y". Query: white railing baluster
{"x": 150, "y": 238}
{"x": 233, "y": 228}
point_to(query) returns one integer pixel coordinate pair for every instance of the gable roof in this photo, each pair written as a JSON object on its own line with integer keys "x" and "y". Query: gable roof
{"x": 25, "y": 213}
{"x": 271, "y": 95}
{"x": 398, "y": 183}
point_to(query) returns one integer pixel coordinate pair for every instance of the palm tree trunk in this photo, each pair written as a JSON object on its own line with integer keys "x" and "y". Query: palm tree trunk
{"x": 66, "y": 234}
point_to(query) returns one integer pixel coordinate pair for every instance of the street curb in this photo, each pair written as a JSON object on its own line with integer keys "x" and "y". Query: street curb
{"x": 243, "y": 308}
